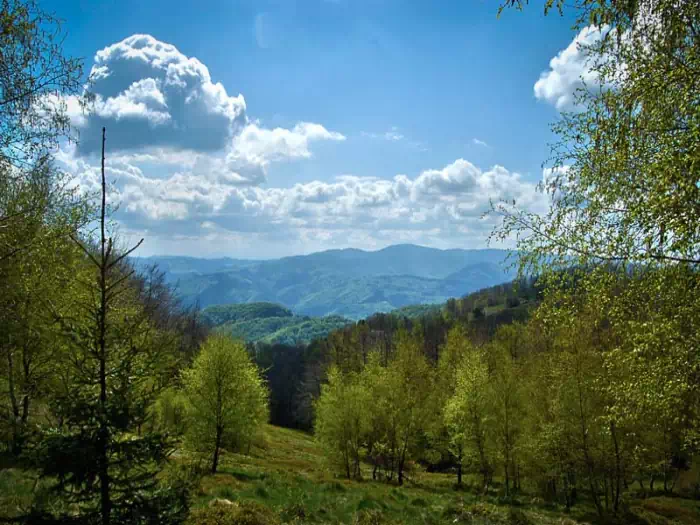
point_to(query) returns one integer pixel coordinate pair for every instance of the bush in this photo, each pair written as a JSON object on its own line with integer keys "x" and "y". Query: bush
{"x": 368, "y": 502}
{"x": 224, "y": 512}
{"x": 294, "y": 511}
{"x": 419, "y": 502}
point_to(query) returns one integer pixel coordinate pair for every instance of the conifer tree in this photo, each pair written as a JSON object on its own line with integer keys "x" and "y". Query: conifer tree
{"x": 116, "y": 364}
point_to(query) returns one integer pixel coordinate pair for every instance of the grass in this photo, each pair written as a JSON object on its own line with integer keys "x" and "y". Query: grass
{"x": 287, "y": 480}
{"x": 288, "y": 474}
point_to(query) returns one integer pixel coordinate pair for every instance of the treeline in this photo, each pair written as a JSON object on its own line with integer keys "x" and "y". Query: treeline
{"x": 567, "y": 404}
{"x": 295, "y": 372}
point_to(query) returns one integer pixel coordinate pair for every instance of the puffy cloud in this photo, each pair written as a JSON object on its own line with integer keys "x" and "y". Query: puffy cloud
{"x": 188, "y": 167}
{"x": 69, "y": 106}
{"x": 162, "y": 108}
{"x": 570, "y": 70}
{"x": 152, "y": 95}
{"x": 259, "y": 146}
{"x": 442, "y": 207}
{"x": 141, "y": 100}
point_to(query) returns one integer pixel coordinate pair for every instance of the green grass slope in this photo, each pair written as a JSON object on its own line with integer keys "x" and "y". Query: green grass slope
{"x": 285, "y": 479}
{"x": 288, "y": 479}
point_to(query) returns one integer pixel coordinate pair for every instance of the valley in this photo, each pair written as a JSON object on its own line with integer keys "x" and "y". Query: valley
{"x": 348, "y": 283}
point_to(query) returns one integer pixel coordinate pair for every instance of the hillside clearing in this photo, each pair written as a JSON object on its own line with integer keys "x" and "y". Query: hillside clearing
{"x": 290, "y": 476}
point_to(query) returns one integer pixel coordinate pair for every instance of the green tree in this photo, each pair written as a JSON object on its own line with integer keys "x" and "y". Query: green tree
{"x": 342, "y": 418}
{"x": 36, "y": 262}
{"x": 227, "y": 397}
{"x": 115, "y": 360}
{"x": 409, "y": 384}
{"x": 624, "y": 174}
{"x": 35, "y": 77}
{"x": 467, "y": 418}
{"x": 374, "y": 381}
{"x": 170, "y": 412}
{"x": 451, "y": 354}
{"x": 624, "y": 188}
{"x": 507, "y": 405}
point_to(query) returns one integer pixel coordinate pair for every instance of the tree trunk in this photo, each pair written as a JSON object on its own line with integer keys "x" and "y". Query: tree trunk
{"x": 605, "y": 487}
{"x": 507, "y": 479}
{"x": 567, "y": 493}
{"x": 618, "y": 469}
{"x": 587, "y": 457}
{"x": 459, "y": 473}
{"x": 675, "y": 479}
{"x": 217, "y": 446}
{"x": 103, "y": 443}
{"x": 15, "y": 447}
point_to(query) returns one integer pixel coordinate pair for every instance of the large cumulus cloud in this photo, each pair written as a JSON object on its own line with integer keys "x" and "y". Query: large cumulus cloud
{"x": 189, "y": 168}
{"x": 162, "y": 108}
{"x": 150, "y": 94}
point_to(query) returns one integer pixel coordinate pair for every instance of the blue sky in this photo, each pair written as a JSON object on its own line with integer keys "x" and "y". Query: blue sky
{"x": 359, "y": 123}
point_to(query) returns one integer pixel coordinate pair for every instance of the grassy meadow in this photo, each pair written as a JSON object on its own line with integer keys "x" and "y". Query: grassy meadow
{"x": 287, "y": 480}
{"x": 290, "y": 476}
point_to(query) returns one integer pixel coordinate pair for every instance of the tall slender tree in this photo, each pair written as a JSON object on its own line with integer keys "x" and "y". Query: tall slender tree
{"x": 116, "y": 363}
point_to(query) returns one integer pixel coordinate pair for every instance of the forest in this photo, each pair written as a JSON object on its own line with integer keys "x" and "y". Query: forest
{"x": 570, "y": 395}
{"x": 268, "y": 323}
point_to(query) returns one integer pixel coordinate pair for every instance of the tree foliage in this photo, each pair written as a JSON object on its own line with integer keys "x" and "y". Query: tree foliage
{"x": 35, "y": 80}
{"x": 227, "y": 398}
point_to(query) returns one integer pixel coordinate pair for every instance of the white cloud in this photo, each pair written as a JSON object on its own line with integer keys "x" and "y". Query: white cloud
{"x": 569, "y": 71}
{"x": 141, "y": 100}
{"x": 392, "y": 135}
{"x": 68, "y": 105}
{"x": 261, "y": 146}
{"x": 162, "y": 108}
{"x": 440, "y": 206}
{"x": 188, "y": 167}
{"x": 149, "y": 94}
{"x": 478, "y": 142}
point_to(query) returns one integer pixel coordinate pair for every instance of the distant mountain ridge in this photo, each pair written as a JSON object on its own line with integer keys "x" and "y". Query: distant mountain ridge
{"x": 351, "y": 283}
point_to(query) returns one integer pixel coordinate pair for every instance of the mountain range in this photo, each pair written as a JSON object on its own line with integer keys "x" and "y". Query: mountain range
{"x": 350, "y": 282}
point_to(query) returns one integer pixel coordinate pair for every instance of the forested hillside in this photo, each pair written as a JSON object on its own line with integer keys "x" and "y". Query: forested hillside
{"x": 348, "y": 283}
{"x": 295, "y": 372}
{"x": 268, "y": 323}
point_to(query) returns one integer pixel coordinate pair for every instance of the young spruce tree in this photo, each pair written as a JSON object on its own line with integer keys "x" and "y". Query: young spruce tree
{"x": 104, "y": 466}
